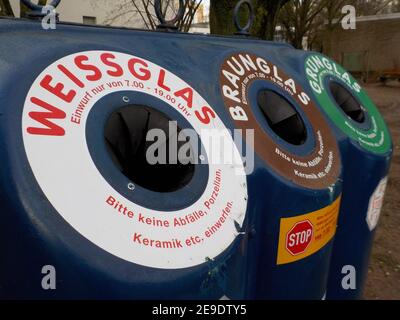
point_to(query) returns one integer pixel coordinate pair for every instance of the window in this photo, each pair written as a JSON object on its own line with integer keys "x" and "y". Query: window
{"x": 89, "y": 20}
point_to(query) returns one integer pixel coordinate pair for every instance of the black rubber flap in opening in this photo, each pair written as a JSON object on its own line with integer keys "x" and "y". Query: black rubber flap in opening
{"x": 282, "y": 117}
{"x": 125, "y": 136}
{"x": 347, "y": 102}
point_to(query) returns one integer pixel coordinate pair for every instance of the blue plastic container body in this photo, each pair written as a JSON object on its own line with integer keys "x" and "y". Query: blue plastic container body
{"x": 33, "y": 234}
{"x": 364, "y": 172}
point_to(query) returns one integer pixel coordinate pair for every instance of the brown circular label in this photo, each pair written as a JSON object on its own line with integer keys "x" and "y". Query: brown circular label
{"x": 317, "y": 170}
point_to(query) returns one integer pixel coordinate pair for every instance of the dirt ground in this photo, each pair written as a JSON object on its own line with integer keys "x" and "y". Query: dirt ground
{"x": 384, "y": 272}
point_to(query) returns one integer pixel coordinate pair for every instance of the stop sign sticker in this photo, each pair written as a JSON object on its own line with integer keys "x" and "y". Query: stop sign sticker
{"x": 299, "y": 237}
{"x": 303, "y": 235}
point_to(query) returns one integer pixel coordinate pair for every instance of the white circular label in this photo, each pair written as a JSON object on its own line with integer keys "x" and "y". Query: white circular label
{"x": 53, "y": 124}
{"x": 375, "y": 204}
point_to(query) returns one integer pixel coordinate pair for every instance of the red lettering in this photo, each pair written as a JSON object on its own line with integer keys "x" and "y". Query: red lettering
{"x": 145, "y": 73}
{"x": 110, "y": 200}
{"x": 70, "y": 75}
{"x": 161, "y": 81}
{"x": 187, "y": 95}
{"x": 206, "y": 115}
{"x": 43, "y": 118}
{"x": 88, "y": 67}
{"x": 57, "y": 90}
{"x": 118, "y": 71}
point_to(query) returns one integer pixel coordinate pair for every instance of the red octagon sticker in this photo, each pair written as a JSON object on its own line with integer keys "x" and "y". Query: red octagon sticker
{"x": 299, "y": 237}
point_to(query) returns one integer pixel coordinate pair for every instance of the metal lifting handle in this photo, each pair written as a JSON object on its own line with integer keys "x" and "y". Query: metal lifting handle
{"x": 169, "y": 24}
{"x": 37, "y": 9}
{"x": 243, "y": 31}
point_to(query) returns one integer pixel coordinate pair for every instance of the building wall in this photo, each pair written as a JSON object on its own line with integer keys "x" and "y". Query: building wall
{"x": 373, "y": 46}
{"x": 83, "y": 11}
{"x": 102, "y": 10}
{"x": 201, "y": 21}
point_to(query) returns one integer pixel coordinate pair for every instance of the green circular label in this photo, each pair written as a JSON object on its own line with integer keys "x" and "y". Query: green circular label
{"x": 375, "y": 139}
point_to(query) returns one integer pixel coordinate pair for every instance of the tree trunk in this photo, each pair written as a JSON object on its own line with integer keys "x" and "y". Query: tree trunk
{"x": 266, "y": 17}
{"x": 298, "y": 42}
{"x": 221, "y": 17}
{"x": 270, "y": 27}
{"x": 6, "y": 9}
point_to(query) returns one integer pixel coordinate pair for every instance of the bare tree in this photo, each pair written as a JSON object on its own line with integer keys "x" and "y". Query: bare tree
{"x": 267, "y": 12}
{"x": 221, "y": 13}
{"x": 297, "y": 18}
{"x": 317, "y": 19}
{"x": 329, "y": 18}
{"x": 130, "y": 10}
{"x": 366, "y": 8}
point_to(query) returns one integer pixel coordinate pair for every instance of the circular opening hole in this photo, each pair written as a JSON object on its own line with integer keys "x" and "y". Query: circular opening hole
{"x": 125, "y": 136}
{"x": 346, "y": 101}
{"x": 282, "y": 117}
